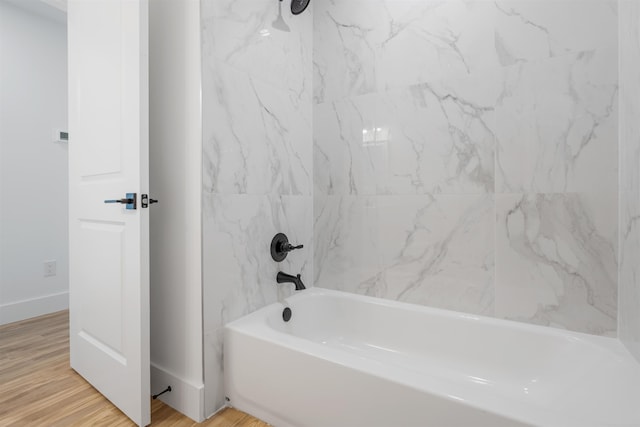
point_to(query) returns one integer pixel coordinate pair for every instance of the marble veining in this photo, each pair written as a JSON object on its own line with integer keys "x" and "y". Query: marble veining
{"x": 240, "y": 229}
{"x": 366, "y": 46}
{"x": 454, "y": 153}
{"x": 258, "y": 140}
{"x": 556, "y": 125}
{"x": 389, "y": 44}
{"x": 418, "y": 103}
{"x": 238, "y": 273}
{"x": 257, "y": 162}
{"x": 257, "y": 126}
{"x": 531, "y": 30}
{"x": 426, "y": 139}
{"x": 556, "y": 261}
{"x": 434, "y": 250}
{"x": 343, "y": 55}
{"x": 241, "y": 34}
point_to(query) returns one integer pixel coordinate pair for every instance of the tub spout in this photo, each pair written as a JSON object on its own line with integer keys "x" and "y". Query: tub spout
{"x": 288, "y": 278}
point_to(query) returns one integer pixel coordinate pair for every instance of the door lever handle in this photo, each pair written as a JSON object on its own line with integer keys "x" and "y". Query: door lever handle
{"x": 123, "y": 201}
{"x": 130, "y": 201}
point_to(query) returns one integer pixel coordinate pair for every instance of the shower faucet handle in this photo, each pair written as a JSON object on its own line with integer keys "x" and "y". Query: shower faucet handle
{"x": 280, "y": 247}
{"x": 288, "y": 247}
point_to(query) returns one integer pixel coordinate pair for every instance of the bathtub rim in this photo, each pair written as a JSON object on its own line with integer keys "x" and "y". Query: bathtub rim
{"x": 611, "y": 343}
{"x": 255, "y": 326}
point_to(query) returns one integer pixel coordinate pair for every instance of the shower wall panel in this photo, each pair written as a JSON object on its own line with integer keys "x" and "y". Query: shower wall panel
{"x": 466, "y": 157}
{"x": 257, "y": 170}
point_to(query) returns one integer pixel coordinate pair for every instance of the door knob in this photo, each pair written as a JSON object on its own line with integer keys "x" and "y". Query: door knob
{"x": 129, "y": 201}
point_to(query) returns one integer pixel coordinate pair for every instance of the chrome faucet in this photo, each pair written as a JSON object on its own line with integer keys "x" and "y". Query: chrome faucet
{"x": 288, "y": 278}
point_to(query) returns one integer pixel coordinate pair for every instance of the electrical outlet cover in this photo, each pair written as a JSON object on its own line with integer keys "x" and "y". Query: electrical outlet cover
{"x": 49, "y": 268}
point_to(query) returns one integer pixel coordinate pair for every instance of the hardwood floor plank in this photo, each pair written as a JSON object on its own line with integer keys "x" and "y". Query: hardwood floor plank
{"x": 40, "y": 389}
{"x": 229, "y": 418}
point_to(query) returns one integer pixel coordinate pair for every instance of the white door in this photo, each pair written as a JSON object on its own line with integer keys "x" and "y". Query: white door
{"x": 108, "y": 157}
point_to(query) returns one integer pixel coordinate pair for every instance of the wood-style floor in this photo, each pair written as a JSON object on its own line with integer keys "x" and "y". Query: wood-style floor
{"x": 38, "y": 388}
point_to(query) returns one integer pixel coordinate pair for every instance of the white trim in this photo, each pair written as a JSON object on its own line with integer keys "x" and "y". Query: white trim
{"x": 184, "y": 397}
{"x": 26, "y": 309}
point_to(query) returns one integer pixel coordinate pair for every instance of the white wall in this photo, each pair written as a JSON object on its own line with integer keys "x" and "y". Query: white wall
{"x": 33, "y": 169}
{"x": 629, "y": 293}
{"x": 175, "y": 151}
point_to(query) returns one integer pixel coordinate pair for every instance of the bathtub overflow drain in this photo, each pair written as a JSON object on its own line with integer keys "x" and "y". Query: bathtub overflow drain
{"x": 286, "y": 314}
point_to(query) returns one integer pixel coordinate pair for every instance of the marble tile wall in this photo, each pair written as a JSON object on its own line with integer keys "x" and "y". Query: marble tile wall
{"x": 629, "y": 288}
{"x": 257, "y": 162}
{"x": 461, "y": 154}
{"x": 466, "y": 157}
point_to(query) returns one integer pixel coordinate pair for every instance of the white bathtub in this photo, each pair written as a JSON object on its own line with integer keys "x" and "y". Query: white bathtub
{"x": 351, "y": 361}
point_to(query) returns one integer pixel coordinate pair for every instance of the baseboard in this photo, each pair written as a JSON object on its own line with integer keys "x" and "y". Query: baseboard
{"x": 26, "y": 309}
{"x": 184, "y": 397}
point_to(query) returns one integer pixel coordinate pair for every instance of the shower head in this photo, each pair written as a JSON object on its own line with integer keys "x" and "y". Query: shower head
{"x": 279, "y": 23}
{"x": 298, "y": 6}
